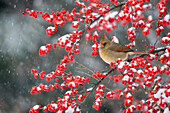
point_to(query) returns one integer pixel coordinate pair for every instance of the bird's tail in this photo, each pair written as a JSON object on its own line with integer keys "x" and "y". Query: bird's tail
{"x": 139, "y": 52}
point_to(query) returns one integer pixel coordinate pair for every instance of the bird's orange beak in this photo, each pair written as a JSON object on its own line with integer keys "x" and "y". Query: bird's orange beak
{"x": 101, "y": 46}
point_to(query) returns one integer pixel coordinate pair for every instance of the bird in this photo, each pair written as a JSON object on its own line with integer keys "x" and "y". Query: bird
{"x": 110, "y": 51}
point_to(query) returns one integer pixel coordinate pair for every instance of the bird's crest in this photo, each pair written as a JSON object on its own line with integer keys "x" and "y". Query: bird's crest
{"x": 104, "y": 38}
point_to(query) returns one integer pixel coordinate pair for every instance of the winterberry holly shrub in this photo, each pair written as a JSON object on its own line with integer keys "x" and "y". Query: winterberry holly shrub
{"x": 138, "y": 73}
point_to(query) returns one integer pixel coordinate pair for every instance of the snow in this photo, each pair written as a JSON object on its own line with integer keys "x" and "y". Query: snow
{"x": 133, "y": 69}
{"x": 49, "y": 75}
{"x": 163, "y": 10}
{"x": 147, "y": 5}
{"x": 121, "y": 14}
{"x": 161, "y": 27}
{"x": 157, "y": 78}
{"x": 69, "y": 92}
{"x": 94, "y": 46}
{"x": 75, "y": 22}
{"x": 128, "y": 95}
{"x": 102, "y": 9}
{"x": 51, "y": 27}
{"x": 141, "y": 22}
{"x": 101, "y": 85}
{"x": 166, "y": 54}
{"x": 134, "y": 43}
{"x": 72, "y": 83}
{"x": 161, "y": 93}
{"x": 95, "y": 33}
{"x": 94, "y": 4}
{"x": 165, "y": 38}
{"x": 131, "y": 29}
{"x": 143, "y": 85}
{"x": 146, "y": 29}
{"x": 150, "y": 17}
{"x": 95, "y": 14}
{"x": 148, "y": 25}
{"x": 101, "y": 90}
{"x": 139, "y": 12}
{"x": 49, "y": 19}
{"x": 43, "y": 48}
{"x": 64, "y": 37}
{"x": 38, "y": 88}
{"x": 36, "y": 107}
{"x": 140, "y": 71}
{"x": 77, "y": 40}
{"x": 126, "y": 78}
{"x": 135, "y": 84}
{"x": 44, "y": 107}
{"x": 153, "y": 69}
{"x": 82, "y": 3}
{"x": 97, "y": 103}
{"x": 134, "y": 63}
{"x": 45, "y": 87}
{"x": 79, "y": 97}
{"x": 120, "y": 66}
{"x": 143, "y": 101}
{"x": 167, "y": 18}
{"x": 159, "y": 48}
{"x": 89, "y": 89}
{"x": 54, "y": 105}
{"x": 128, "y": 101}
{"x": 59, "y": 111}
{"x": 62, "y": 84}
{"x": 166, "y": 110}
{"x": 110, "y": 92}
{"x": 115, "y": 39}
{"x": 15, "y": 6}
{"x": 137, "y": 6}
{"x": 108, "y": 26}
{"x": 66, "y": 97}
{"x": 77, "y": 109}
{"x": 111, "y": 15}
{"x": 98, "y": 99}
{"x": 152, "y": 56}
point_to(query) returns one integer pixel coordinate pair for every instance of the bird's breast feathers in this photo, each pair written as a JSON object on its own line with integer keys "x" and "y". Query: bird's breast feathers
{"x": 111, "y": 56}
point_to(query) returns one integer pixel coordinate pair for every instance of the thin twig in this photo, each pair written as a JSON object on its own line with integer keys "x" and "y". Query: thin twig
{"x": 106, "y": 13}
{"x": 153, "y": 85}
{"x": 156, "y": 42}
{"x": 85, "y": 67}
{"x": 110, "y": 71}
{"x": 86, "y": 74}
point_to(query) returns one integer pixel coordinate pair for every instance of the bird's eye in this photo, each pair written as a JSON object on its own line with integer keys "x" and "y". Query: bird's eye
{"x": 104, "y": 43}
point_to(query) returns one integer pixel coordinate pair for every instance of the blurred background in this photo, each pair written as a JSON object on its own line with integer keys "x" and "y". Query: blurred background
{"x": 20, "y": 39}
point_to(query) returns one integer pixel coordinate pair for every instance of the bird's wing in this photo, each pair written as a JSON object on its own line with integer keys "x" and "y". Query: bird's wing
{"x": 119, "y": 48}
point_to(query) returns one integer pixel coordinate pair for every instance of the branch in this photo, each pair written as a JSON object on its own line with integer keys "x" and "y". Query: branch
{"x": 117, "y": 6}
{"x": 107, "y": 73}
{"x": 111, "y": 70}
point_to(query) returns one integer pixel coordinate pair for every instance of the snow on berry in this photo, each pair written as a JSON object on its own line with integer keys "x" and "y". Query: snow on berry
{"x": 70, "y": 110}
{"x": 43, "y": 50}
{"x": 115, "y": 39}
{"x": 137, "y": 75}
{"x": 165, "y": 40}
{"x": 162, "y": 97}
{"x": 50, "y": 30}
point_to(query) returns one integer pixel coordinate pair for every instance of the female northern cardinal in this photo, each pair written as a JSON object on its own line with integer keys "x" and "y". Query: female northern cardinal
{"x": 110, "y": 51}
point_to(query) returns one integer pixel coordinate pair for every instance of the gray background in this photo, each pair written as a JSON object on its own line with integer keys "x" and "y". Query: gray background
{"x": 20, "y": 39}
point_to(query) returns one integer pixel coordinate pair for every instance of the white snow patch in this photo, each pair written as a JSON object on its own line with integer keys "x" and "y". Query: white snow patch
{"x": 70, "y": 110}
